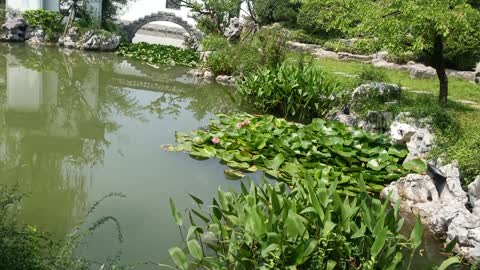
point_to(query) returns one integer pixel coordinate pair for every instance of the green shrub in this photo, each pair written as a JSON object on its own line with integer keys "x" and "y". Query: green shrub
{"x": 327, "y": 17}
{"x": 159, "y": 54}
{"x": 294, "y": 91}
{"x": 372, "y": 74}
{"x": 268, "y": 48}
{"x": 214, "y": 42}
{"x": 307, "y": 226}
{"x": 49, "y": 21}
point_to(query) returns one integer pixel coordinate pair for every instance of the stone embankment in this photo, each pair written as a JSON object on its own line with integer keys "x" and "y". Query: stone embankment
{"x": 415, "y": 70}
{"x": 16, "y": 29}
{"x": 437, "y": 196}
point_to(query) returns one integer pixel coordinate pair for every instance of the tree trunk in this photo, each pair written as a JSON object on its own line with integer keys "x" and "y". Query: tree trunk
{"x": 439, "y": 65}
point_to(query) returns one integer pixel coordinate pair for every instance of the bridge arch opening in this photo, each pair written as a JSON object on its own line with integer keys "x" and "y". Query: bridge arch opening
{"x": 170, "y": 23}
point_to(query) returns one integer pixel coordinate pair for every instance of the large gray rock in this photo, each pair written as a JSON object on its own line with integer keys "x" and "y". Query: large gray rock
{"x": 233, "y": 32}
{"x": 416, "y": 134}
{"x": 441, "y": 206}
{"x": 420, "y": 71}
{"x": 110, "y": 43}
{"x": 37, "y": 37}
{"x": 474, "y": 195}
{"x": 384, "y": 91}
{"x": 477, "y": 74}
{"x": 15, "y": 28}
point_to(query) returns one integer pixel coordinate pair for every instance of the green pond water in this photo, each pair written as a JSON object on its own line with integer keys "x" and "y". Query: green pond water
{"x": 76, "y": 126}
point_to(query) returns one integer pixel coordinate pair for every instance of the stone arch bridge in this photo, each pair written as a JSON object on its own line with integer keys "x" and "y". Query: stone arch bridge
{"x": 131, "y": 28}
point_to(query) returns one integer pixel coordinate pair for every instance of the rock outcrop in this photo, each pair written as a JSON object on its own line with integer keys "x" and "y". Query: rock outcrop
{"x": 477, "y": 74}
{"x": 442, "y": 206}
{"x": 420, "y": 71}
{"x": 233, "y": 32}
{"x": 384, "y": 91}
{"x": 15, "y": 28}
{"x": 90, "y": 41}
{"x": 416, "y": 134}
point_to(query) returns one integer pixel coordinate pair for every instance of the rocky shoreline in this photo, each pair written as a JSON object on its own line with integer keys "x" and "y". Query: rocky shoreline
{"x": 16, "y": 29}
{"x": 437, "y": 197}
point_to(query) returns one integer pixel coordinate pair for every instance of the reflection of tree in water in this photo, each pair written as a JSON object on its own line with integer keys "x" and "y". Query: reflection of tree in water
{"x": 56, "y": 169}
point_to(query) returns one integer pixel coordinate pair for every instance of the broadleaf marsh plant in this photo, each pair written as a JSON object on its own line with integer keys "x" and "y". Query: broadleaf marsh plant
{"x": 308, "y": 226}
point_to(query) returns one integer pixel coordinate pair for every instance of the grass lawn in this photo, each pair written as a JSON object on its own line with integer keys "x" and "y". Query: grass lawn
{"x": 459, "y": 89}
{"x": 457, "y": 126}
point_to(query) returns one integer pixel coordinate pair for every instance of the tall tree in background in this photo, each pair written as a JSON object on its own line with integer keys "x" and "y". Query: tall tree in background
{"x": 423, "y": 26}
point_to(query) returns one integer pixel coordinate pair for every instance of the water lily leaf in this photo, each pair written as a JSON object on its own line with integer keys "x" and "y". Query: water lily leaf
{"x": 275, "y": 163}
{"x": 238, "y": 165}
{"x": 395, "y": 151}
{"x": 234, "y": 174}
{"x": 374, "y": 164}
{"x": 417, "y": 165}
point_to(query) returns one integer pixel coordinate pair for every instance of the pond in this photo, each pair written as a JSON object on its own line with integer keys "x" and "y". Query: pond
{"x": 75, "y": 126}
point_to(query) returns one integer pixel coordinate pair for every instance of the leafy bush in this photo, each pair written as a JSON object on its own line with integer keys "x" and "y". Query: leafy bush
{"x": 299, "y": 92}
{"x": 49, "y": 21}
{"x": 214, "y": 42}
{"x": 285, "y": 150}
{"x": 268, "y": 48}
{"x": 372, "y": 74}
{"x": 159, "y": 54}
{"x": 310, "y": 226}
{"x": 332, "y": 18}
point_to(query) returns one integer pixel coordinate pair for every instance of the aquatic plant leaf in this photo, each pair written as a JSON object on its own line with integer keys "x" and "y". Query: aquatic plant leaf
{"x": 195, "y": 249}
{"x": 234, "y": 174}
{"x": 449, "y": 262}
{"x": 416, "y": 165}
{"x": 178, "y": 257}
{"x": 176, "y": 215}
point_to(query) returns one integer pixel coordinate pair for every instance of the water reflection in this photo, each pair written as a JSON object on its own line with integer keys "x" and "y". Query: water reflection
{"x": 63, "y": 114}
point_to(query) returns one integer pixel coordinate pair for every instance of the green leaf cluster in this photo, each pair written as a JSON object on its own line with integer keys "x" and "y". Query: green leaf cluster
{"x": 285, "y": 150}
{"x": 159, "y": 54}
{"x": 49, "y": 21}
{"x": 310, "y": 226}
{"x": 299, "y": 92}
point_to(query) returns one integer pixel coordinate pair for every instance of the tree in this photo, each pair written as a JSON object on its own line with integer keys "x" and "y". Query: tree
{"x": 423, "y": 26}
{"x": 213, "y": 15}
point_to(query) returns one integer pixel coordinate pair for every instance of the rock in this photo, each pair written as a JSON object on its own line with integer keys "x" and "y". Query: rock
{"x": 420, "y": 71}
{"x": 347, "y": 119}
{"x": 477, "y": 74}
{"x": 401, "y": 133}
{"x": 14, "y": 29}
{"x": 37, "y": 36}
{"x": 378, "y": 121}
{"x": 441, "y": 207}
{"x": 354, "y": 57}
{"x": 110, "y": 43}
{"x": 234, "y": 30}
{"x": 92, "y": 44}
{"x": 321, "y": 53}
{"x": 474, "y": 195}
{"x": 381, "y": 56}
{"x": 225, "y": 79}
{"x": 466, "y": 75}
{"x": 416, "y": 134}
{"x": 204, "y": 56}
{"x": 208, "y": 74}
{"x": 387, "y": 65}
{"x": 385, "y": 91}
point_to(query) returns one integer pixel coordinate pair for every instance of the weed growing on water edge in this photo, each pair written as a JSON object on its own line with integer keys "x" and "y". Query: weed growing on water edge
{"x": 307, "y": 226}
{"x": 26, "y": 248}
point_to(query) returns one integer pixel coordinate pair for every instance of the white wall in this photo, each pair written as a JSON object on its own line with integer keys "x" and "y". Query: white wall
{"x": 23, "y": 5}
{"x": 140, "y": 8}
